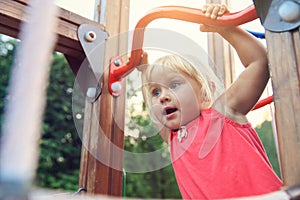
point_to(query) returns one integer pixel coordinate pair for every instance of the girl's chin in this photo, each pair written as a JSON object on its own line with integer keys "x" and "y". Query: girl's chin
{"x": 174, "y": 127}
{"x": 173, "y": 124}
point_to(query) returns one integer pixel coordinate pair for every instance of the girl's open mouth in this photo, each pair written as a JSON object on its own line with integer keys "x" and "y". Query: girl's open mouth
{"x": 169, "y": 111}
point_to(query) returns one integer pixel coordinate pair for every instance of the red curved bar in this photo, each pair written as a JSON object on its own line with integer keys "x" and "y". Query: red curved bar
{"x": 185, "y": 14}
{"x": 179, "y": 13}
{"x": 263, "y": 102}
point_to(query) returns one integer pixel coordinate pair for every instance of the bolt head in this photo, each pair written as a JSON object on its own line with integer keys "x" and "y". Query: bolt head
{"x": 91, "y": 92}
{"x": 90, "y": 36}
{"x": 116, "y": 87}
{"x": 289, "y": 11}
{"x": 117, "y": 62}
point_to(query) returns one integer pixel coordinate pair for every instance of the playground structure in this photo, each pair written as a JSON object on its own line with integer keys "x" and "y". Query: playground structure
{"x": 283, "y": 42}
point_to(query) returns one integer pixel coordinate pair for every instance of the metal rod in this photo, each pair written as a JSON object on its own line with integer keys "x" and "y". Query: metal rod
{"x": 26, "y": 100}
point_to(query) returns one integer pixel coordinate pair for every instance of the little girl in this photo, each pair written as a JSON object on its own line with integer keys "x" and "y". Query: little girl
{"x": 215, "y": 151}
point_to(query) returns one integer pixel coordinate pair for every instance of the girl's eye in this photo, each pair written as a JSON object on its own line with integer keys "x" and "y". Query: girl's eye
{"x": 174, "y": 85}
{"x": 155, "y": 92}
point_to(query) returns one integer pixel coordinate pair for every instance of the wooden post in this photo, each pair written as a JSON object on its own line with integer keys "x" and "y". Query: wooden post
{"x": 104, "y": 119}
{"x": 283, "y": 44}
{"x": 284, "y": 63}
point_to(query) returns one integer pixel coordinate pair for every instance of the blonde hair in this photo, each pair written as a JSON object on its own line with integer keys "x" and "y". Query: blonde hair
{"x": 181, "y": 65}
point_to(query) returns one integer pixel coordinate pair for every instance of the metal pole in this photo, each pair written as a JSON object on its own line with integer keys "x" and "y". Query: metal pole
{"x": 26, "y": 100}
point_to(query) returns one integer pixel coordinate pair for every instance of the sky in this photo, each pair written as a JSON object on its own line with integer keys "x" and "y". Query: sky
{"x": 138, "y": 9}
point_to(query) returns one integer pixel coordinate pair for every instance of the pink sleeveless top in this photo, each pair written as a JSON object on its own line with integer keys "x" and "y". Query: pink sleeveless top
{"x": 219, "y": 158}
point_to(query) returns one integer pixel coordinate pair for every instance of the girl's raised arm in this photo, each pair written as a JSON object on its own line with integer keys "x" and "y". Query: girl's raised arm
{"x": 248, "y": 87}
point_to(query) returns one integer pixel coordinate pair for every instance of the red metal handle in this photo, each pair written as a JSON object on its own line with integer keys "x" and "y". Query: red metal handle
{"x": 185, "y": 14}
{"x": 263, "y": 102}
{"x": 179, "y": 13}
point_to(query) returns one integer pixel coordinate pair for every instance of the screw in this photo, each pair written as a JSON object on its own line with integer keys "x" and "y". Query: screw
{"x": 90, "y": 36}
{"x": 116, "y": 87}
{"x": 117, "y": 62}
{"x": 91, "y": 92}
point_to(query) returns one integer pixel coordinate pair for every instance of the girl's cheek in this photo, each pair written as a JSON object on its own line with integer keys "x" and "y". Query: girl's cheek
{"x": 156, "y": 113}
{"x": 155, "y": 100}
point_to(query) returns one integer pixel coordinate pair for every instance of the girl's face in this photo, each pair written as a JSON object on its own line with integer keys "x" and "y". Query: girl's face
{"x": 175, "y": 97}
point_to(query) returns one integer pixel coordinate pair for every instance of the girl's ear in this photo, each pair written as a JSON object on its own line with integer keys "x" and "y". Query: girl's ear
{"x": 207, "y": 96}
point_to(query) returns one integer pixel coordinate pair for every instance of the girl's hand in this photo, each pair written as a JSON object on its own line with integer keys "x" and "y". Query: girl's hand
{"x": 144, "y": 63}
{"x": 213, "y": 11}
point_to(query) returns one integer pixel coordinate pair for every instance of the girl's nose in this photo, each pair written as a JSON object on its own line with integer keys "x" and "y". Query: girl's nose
{"x": 165, "y": 96}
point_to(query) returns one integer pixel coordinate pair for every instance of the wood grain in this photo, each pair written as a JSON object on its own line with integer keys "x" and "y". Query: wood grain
{"x": 284, "y": 55}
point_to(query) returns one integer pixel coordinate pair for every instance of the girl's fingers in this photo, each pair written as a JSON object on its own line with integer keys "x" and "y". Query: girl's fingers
{"x": 144, "y": 62}
{"x": 223, "y": 9}
{"x": 144, "y": 59}
{"x": 204, "y": 9}
{"x": 213, "y": 11}
{"x": 209, "y": 10}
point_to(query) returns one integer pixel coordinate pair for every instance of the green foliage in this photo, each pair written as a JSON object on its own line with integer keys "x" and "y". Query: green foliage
{"x": 60, "y": 143}
{"x": 7, "y": 51}
{"x": 161, "y": 183}
{"x": 265, "y": 132}
{"x": 154, "y": 184}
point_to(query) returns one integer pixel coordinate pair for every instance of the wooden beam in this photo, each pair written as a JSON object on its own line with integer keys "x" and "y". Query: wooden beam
{"x": 12, "y": 14}
{"x": 284, "y": 63}
{"x": 102, "y": 165}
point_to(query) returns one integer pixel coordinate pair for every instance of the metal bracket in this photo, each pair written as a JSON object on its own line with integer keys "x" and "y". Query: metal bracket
{"x": 92, "y": 40}
{"x": 79, "y": 191}
{"x": 114, "y": 84}
{"x": 278, "y": 15}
